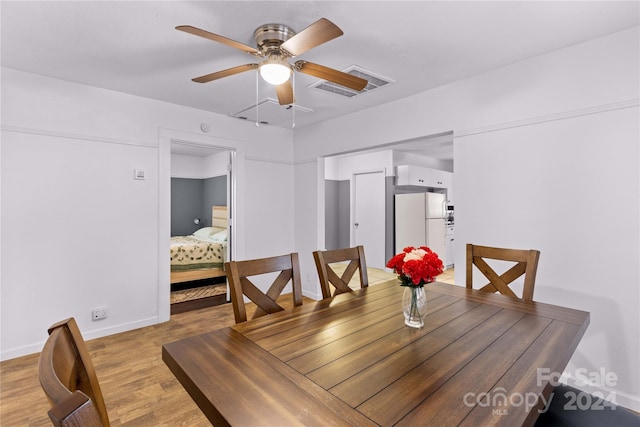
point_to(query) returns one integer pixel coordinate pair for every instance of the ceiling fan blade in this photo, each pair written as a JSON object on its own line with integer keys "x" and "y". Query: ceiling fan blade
{"x": 285, "y": 93}
{"x": 335, "y": 76}
{"x": 314, "y": 35}
{"x": 217, "y": 38}
{"x": 225, "y": 73}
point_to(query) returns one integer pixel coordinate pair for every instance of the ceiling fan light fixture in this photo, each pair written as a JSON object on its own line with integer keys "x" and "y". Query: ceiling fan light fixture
{"x": 277, "y": 44}
{"x": 275, "y": 70}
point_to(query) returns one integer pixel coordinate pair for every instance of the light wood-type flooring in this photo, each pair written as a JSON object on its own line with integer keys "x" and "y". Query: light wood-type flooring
{"x": 376, "y": 275}
{"x": 138, "y": 388}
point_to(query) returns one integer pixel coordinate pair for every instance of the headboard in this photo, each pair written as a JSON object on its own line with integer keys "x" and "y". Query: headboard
{"x": 219, "y": 217}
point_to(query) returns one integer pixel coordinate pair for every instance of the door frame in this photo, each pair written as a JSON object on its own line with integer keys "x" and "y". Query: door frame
{"x": 236, "y": 202}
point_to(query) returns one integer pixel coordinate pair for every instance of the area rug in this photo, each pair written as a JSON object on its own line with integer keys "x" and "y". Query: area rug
{"x": 196, "y": 293}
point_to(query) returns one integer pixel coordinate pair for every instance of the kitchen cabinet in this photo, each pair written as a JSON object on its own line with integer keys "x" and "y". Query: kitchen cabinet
{"x": 422, "y": 177}
{"x": 449, "y": 247}
{"x": 409, "y": 175}
{"x": 440, "y": 178}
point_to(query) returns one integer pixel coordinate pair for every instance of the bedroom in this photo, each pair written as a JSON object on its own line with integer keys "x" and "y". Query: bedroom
{"x": 199, "y": 223}
{"x": 80, "y": 145}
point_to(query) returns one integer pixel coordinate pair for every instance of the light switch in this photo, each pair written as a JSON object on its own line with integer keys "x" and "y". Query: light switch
{"x": 138, "y": 174}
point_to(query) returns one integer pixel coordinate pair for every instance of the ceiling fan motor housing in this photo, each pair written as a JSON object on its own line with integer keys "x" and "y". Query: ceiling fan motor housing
{"x": 269, "y": 37}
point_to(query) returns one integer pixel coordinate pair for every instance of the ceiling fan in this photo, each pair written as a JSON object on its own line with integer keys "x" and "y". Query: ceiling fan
{"x": 277, "y": 43}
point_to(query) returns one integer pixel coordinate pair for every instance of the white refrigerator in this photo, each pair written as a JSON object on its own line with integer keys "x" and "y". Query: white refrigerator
{"x": 420, "y": 221}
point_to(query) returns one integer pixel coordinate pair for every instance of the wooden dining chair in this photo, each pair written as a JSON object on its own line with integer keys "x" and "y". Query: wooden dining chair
{"x": 526, "y": 264}
{"x": 328, "y": 276}
{"x": 238, "y": 273}
{"x": 567, "y": 408}
{"x": 65, "y": 366}
{"x": 75, "y": 411}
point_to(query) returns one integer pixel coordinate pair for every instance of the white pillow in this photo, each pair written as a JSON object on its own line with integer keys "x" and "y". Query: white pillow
{"x": 204, "y": 233}
{"x": 220, "y": 236}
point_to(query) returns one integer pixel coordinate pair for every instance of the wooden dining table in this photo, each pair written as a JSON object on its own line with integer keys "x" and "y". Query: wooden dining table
{"x": 480, "y": 359}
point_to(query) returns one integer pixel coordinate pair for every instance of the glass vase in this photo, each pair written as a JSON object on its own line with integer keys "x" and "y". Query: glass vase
{"x": 414, "y": 306}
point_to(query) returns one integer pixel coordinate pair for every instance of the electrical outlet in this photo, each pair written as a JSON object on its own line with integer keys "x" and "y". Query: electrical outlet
{"x": 99, "y": 313}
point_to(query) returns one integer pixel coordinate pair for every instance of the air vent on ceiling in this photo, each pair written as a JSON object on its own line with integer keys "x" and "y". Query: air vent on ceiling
{"x": 270, "y": 112}
{"x": 375, "y": 81}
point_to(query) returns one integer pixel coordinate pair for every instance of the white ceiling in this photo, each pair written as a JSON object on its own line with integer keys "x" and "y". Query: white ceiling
{"x": 132, "y": 46}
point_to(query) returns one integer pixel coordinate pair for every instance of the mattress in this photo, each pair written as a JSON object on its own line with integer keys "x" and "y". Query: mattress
{"x": 192, "y": 253}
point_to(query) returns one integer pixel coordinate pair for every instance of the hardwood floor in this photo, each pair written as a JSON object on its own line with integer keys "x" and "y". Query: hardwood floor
{"x": 447, "y": 276}
{"x": 376, "y": 275}
{"x": 138, "y": 388}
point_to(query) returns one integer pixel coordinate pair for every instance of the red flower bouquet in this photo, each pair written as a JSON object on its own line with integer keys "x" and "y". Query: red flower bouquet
{"x": 416, "y": 267}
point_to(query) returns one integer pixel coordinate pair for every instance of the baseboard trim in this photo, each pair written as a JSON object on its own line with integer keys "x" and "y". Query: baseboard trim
{"x": 87, "y": 335}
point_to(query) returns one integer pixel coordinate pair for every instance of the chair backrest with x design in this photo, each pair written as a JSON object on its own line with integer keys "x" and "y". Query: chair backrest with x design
{"x": 328, "y": 276}
{"x": 526, "y": 264}
{"x": 238, "y": 273}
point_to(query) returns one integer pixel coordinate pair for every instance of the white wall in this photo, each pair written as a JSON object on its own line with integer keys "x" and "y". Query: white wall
{"x": 183, "y": 166}
{"x": 186, "y": 166}
{"x": 308, "y": 188}
{"x": 75, "y": 225}
{"x": 365, "y": 162}
{"x": 70, "y": 204}
{"x": 217, "y": 164}
{"x": 564, "y": 128}
{"x": 272, "y": 209}
{"x": 556, "y": 187}
{"x": 404, "y": 158}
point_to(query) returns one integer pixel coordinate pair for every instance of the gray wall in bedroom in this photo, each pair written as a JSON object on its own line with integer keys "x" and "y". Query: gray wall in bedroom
{"x": 214, "y": 194}
{"x": 193, "y": 198}
{"x": 344, "y": 214}
{"x": 389, "y": 205}
{"x": 186, "y": 204}
{"x": 337, "y": 214}
{"x": 331, "y": 217}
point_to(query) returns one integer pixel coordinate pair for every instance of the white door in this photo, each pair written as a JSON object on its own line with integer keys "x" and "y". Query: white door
{"x": 368, "y": 216}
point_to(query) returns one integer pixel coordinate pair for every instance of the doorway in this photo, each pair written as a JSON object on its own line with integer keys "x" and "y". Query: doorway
{"x": 430, "y": 151}
{"x": 199, "y": 208}
{"x": 203, "y": 146}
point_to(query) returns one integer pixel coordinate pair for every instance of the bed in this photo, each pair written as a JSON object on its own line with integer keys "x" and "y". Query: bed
{"x": 202, "y": 254}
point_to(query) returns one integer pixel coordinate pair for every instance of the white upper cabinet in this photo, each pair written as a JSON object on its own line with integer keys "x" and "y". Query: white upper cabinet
{"x": 423, "y": 177}
{"x": 441, "y": 178}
